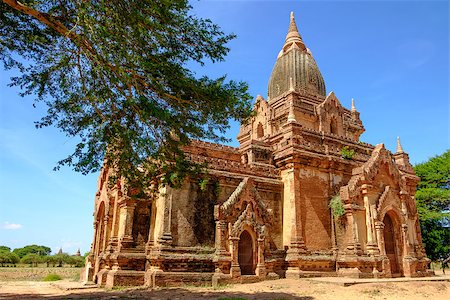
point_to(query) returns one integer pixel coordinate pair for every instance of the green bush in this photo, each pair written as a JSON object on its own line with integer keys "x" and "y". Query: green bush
{"x": 337, "y": 207}
{"x": 347, "y": 153}
{"x": 52, "y": 277}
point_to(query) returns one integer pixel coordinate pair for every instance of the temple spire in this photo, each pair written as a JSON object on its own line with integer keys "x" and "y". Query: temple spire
{"x": 399, "y": 146}
{"x": 293, "y": 37}
{"x": 353, "y": 105}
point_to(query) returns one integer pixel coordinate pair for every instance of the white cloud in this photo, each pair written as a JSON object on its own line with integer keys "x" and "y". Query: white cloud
{"x": 11, "y": 226}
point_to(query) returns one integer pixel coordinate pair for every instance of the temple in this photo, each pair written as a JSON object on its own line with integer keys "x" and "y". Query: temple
{"x": 302, "y": 196}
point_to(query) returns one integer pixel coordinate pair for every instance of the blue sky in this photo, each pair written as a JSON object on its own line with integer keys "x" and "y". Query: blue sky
{"x": 392, "y": 57}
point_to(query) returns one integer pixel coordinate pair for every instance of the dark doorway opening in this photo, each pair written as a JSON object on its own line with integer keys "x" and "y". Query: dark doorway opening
{"x": 390, "y": 244}
{"x": 245, "y": 251}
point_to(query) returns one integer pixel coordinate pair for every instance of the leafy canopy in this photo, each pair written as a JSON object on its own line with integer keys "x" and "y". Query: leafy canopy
{"x": 34, "y": 249}
{"x": 113, "y": 73}
{"x": 5, "y": 249}
{"x": 433, "y": 205}
{"x": 433, "y": 193}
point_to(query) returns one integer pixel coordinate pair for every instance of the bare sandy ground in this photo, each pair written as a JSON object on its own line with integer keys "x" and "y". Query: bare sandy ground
{"x": 304, "y": 289}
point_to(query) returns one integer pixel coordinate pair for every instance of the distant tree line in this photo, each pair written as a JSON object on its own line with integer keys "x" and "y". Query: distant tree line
{"x": 34, "y": 255}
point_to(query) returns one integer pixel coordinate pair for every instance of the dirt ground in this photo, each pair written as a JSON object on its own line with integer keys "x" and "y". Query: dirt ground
{"x": 305, "y": 289}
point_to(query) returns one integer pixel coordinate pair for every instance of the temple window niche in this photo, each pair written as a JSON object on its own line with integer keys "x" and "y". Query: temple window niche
{"x": 333, "y": 126}
{"x": 259, "y": 131}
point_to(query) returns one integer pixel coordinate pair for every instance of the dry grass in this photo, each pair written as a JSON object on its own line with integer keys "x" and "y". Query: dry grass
{"x": 37, "y": 274}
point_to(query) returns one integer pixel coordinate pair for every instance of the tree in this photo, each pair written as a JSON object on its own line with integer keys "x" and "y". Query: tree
{"x": 4, "y": 258}
{"x": 113, "y": 73}
{"x": 433, "y": 205}
{"x": 39, "y": 250}
{"x": 62, "y": 258}
{"x": 8, "y": 257}
{"x": 13, "y": 258}
{"x": 78, "y": 261}
{"x": 50, "y": 260}
{"x": 31, "y": 258}
{"x": 5, "y": 249}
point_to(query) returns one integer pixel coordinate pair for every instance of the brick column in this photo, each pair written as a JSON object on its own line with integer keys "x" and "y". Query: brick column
{"x": 371, "y": 245}
{"x": 235, "y": 270}
{"x": 405, "y": 240}
{"x": 353, "y": 244}
{"x": 261, "y": 266}
{"x": 105, "y": 231}
{"x": 151, "y": 230}
{"x": 221, "y": 226}
{"x": 94, "y": 247}
{"x": 379, "y": 228}
{"x": 113, "y": 241}
{"x": 166, "y": 237}
{"x": 292, "y": 226}
{"x": 127, "y": 207}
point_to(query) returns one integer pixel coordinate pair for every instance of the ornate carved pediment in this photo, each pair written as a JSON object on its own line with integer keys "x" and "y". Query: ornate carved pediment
{"x": 331, "y": 115}
{"x": 248, "y": 218}
{"x": 330, "y": 105}
{"x": 239, "y": 201}
{"x": 367, "y": 174}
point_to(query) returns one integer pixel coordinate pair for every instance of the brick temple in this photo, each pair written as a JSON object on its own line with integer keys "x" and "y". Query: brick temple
{"x": 265, "y": 211}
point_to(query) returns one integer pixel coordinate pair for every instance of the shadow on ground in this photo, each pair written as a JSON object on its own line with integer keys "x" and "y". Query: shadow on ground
{"x": 172, "y": 294}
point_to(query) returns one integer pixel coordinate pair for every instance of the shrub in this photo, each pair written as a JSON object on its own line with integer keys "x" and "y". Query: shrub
{"x": 347, "y": 153}
{"x": 337, "y": 207}
{"x": 52, "y": 277}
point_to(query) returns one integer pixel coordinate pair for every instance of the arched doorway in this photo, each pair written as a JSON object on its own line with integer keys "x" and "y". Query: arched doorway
{"x": 245, "y": 251}
{"x": 390, "y": 244}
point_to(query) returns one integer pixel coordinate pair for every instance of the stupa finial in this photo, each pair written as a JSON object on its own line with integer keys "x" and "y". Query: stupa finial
{"x": 399, "y": 146}
{"x": 293, "y": 36}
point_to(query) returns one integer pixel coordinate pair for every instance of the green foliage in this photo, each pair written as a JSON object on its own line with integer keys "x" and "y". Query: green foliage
{"x": 347, "y": 153}
{"x": 433, "y": 205}
{"x": 8, "y": 258}
{"x": 436, "y": 239}
{"x": 31, "y": 258}
{"x": 203, "y": 183}
{"x": 4, "y": 258}
{"x": 336, "y": 205}
{"x": 52, "y": 277}
{"x": 50, "y": 260}
{"x": 113, "y": 73}
{"x": 61, "y": 258}
{"x": 40, "y": 250}
{"x": 435, "y": 172}
{"x": 13, "y": 258}
{"x": 78, "y": 261}
{"x": 5, "y": 249}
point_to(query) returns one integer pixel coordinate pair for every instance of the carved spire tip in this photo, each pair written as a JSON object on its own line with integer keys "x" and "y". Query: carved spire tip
{"x": 353, "y": 105}
{"x": 399, "y": 146}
